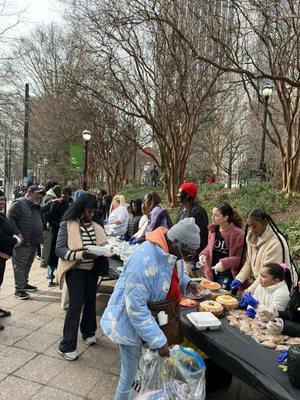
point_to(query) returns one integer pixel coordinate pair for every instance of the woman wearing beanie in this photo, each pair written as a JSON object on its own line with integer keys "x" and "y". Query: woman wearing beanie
{"x": 222, "y": 256}
{"x": 8, "y": 240}
{"x": 152, "y": 278}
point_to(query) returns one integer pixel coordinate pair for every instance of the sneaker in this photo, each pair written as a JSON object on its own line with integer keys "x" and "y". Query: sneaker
{"x": 69, "y": 356}
{"x": 90, "y": 340}
{"x": 1, "y": 327}
{"x": 51, "y": 283}
{"x": 30, "y": 288}
{"x": 22, "y": 295}
{"x": 38, "y": 257}
{"x": 4, "y": 313}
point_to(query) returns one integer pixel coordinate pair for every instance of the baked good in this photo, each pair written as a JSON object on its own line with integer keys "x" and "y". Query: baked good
{"x": 293, "y": 341}
{"x": 228, "y": 302}
{"x": 185, "y": 302}
{"x": 211, "y": 306}
{"x": 238, "y": 314}
{"x": 282, "y": 347}
{"x": 269, "y": 344}
{"x": 210, "y": 285}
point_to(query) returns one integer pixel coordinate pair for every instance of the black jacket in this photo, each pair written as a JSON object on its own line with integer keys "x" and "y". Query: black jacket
{"x": 196, "y": 211}
{"x": 291, "y": 316}
{"x": 7, "y": 230}
{"x": 27, "y": 220}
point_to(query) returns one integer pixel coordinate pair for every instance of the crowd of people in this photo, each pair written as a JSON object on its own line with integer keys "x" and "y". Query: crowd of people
{"x": 255, "y": 260}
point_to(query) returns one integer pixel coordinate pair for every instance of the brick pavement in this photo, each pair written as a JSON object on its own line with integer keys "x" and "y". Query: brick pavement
{"x": 30, "y": 366}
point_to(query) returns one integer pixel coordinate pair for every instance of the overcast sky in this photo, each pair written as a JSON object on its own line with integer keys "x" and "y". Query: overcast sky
{"x": 35, "y": 12}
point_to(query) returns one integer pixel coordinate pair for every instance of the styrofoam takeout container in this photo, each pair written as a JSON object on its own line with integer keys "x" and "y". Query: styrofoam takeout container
{"x": 204, "y": 320}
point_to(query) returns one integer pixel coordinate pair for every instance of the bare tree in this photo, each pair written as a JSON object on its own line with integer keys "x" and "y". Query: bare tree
{"x": 151, "y": 75}
{"x": 261, "y": 44}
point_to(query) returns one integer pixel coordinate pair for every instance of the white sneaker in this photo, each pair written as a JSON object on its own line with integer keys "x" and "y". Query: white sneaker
{"x": 69, "y": 356}
{"x": 90, "y": 340}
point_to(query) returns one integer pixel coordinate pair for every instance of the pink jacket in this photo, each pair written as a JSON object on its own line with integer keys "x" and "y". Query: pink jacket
{"x": 234, "y": 239}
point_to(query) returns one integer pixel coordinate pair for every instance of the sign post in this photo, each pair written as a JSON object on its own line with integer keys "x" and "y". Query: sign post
{"x": 76, "y": 158}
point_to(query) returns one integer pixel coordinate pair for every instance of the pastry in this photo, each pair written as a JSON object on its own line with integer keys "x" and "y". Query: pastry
{"x": 269, "y": 344}
{"x": 212, "y": 306}
{"x": 228, "y": 302}
{"x": 281, "y": 347}
{"x": 238, "y": 314}
{"x": 293, "y": 341}
{"x": 210, "y": 285}
{"x": 185, "y": 302}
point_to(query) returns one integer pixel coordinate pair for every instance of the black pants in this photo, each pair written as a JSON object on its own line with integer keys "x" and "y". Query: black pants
{"x": 82, "y": 287}
{"x": 2, "y": 269}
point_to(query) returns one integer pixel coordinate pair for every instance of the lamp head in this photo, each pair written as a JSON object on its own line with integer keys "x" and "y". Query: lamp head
{"x": 86, "y": 134}
{"x": 267, "y": 91}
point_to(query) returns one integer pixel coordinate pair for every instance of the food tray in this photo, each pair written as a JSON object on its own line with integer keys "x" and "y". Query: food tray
{"x": 204, "y": 320}
{"x": 199, "y": 296}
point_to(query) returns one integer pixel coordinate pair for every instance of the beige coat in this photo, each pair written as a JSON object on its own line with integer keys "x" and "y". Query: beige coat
{"x": 74, "y": 243}
{"x": 266, "y": 250}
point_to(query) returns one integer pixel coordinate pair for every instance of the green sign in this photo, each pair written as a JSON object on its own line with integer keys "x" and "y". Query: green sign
{"x": 76, "y": 158}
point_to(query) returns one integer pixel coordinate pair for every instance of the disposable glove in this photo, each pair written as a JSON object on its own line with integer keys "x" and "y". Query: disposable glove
{"x": 276, "y": 326}
{"x": 202, "y": 260}
{"x": 194, "y": 266}
{"x": 235, "y": 283}
{"x": 282, "y": 356}
{"x": 133, "y": 240}
{"x": 244, "y": 301}
{"x": 251, "y": 312}
{"x": 218, "y": 268}
{"x": 267, "y": 314}
{"x": 252, "y": 301}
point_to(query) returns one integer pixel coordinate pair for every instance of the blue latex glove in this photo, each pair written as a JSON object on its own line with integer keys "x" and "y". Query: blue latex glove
{"x": 235, "y": 284}
{"x": 282, "y": 356}
{"x": 251, "y": 312}
{"x": 244, "y": 301}
{"x": 194, "y": 267}
{"x": 252, "y": 301}
{"x": 133, "y": 240}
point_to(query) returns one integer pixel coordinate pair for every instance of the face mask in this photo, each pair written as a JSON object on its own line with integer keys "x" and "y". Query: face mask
{"x": 183, "y": 197}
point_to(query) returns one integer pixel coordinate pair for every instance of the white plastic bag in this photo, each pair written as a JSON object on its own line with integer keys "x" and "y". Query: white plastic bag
{"x": 180, "y": 377}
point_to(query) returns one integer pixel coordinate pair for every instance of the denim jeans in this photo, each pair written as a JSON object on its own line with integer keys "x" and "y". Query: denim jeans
{"x": 129, "y": 357}
{"x": 50, "y": 273}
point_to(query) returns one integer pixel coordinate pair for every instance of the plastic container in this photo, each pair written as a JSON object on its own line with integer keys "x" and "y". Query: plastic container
{"x": 204, "y": 320}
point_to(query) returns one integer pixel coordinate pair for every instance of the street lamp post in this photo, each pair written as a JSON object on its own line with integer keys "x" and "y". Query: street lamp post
{"x": 267, "y": 91}
{"x": 86, "y": 134}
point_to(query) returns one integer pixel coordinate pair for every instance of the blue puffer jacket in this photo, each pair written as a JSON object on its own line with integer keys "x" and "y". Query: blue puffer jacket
{"x": 146, "y": 278}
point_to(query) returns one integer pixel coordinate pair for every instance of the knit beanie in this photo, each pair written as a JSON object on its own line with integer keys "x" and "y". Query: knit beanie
{"x": 190, "y": 188}
{"x": 79, "y": 193}
{"x": 185, "y": 235}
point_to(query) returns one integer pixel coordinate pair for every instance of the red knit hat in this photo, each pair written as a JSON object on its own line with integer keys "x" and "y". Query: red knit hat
{"x": 190, "y": 188}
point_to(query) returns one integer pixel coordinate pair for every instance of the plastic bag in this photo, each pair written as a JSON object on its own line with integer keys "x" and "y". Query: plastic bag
{"x": 180, "y": 377}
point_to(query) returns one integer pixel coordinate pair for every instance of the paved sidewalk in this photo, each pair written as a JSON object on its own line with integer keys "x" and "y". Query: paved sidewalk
{"x": 30, "y": 366}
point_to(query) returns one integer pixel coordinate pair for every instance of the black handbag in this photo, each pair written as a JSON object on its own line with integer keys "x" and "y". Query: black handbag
{"x": 101, "y": 266}
{"x": 293, "y": 364}
{"x": 101, "y": 263}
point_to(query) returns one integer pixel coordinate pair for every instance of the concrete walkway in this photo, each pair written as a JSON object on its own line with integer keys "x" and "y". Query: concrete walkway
{"x": 30, "y": 366}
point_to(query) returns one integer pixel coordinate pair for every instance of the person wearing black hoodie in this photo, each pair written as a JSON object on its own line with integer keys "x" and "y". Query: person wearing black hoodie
{"x": 8, "y": 240}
